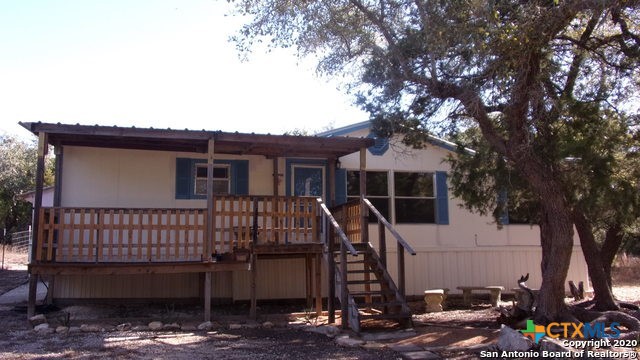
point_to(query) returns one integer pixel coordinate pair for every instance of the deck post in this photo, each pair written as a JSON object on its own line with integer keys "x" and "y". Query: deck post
{"x": 308, "y": 272}
{"x": 364, "y": 210}
{"x": 208, "y": 243}
{"x": 331, "y": 270}
{"x": 207, "y": 296}
{"x": 252, "y": 311}
{"x": 344, "y": 306}
{"x": 318, "y": 284}
{"x": 401, "y": 278}
{"x": 37, "y": 204}
{"x": 57, "y": 202}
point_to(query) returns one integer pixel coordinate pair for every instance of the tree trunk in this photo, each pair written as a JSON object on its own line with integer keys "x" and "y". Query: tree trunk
{"x": 603, "y": 297}
{"x": 610, "y": 247}
{"x": 556, "y": 237}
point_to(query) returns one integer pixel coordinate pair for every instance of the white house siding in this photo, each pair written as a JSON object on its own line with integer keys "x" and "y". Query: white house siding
{"x": 468, "y": 251}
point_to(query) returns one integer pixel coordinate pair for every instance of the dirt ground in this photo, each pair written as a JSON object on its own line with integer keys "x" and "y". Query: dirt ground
{"x": 447, "y": 333}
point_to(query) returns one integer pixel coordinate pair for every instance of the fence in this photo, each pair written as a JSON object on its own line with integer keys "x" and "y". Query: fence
{"x": 19, "y": 241}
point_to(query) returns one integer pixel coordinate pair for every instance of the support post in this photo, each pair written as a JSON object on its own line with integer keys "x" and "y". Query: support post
{"x": 382, "y": 239}
{"x": 364, "y": 210}
{"x": 344, "y": 306}
{"x": 276, "y": 177}
{"x": 332, "y": 181}
{"x": 331, "y": 270}
{"x": 57, "y": 202}
{"x": 253, "y": 293}
{"x": 207, "y": 296}
{"x": 33, "y": 278}
{"x": 318, "y": 283}
{"x": 308, "y": 272}
{"x": 208, "y": 244}
{"x": 401, "y": 281}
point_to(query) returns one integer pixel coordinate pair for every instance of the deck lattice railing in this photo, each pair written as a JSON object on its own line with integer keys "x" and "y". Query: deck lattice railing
{"x": 96, "y": 235}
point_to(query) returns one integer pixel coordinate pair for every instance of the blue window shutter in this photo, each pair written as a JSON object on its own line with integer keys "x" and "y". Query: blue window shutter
{"x": 442, "y": 198}
{"x": 341, "y": 187}
{"x": 184, "y": 178}
{"x": 503, "y": 197}
{"x": 240, "y": 177}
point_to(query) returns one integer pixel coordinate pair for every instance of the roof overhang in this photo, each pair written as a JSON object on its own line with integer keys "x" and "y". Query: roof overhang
{"x": 197, "y": 140}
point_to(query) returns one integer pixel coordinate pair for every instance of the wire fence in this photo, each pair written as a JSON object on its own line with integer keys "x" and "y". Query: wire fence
{"x": 19, "y": 241}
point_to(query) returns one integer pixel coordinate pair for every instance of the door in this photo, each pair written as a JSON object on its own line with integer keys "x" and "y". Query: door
{"x": 308, "y": 181}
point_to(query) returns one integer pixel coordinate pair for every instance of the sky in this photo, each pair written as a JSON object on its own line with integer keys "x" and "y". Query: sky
{"x": 154, "y": 63}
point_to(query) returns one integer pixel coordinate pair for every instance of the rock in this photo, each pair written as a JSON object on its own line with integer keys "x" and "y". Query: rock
{"x": 124, "y": 327}
{"x": 207, "y": 325}
{"x": 41, "y": 327}
{"x": 267, "y": 324}
{"x": 90, "y": 328}
{"x": 555, "y": 346}
{"x": 235, "y": 326}
{"x": 346, "y": 341}
{"x": 408, "y": 347}
{"x": 37, "y": 320}
{"x": 74, "y": 329}
{"x": 62, "y": 330}
{"x": 188, "y": 327}
{"x": 512, "y": 340}
{"x": 420, "y": 355}
{"x": 171, "y": 327}
{"x": 395, "y": 335}
{"x": 155, "y": 325}
{"x": 373, "y": 346}
{"x": 140, "y": 328}
{"x": 327, "y": 330}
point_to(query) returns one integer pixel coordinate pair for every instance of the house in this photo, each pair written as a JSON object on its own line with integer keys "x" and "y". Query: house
{"x": 30, "y": 196}
{"x": 143, "y": 213}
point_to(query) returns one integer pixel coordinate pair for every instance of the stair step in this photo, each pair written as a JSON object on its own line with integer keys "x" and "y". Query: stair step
{"x": 385, "y": 316}
{"x": 365, "y": 271}
{"x": 379, "y": 304}
{"x": 359, "y": 262}
{"x": 355, "y": 282}
{"x": 372, "y": 292}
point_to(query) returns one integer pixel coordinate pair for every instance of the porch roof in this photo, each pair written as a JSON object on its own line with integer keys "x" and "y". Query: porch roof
{"x": 196, "y": 140}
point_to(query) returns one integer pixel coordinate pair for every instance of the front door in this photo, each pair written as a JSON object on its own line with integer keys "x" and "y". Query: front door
{"x": 308, "y": 180}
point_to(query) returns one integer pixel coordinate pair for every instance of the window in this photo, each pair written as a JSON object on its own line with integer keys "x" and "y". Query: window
{"x": 230, "y": 177}
{"x": 415, "y": 200}
{"x": 377, "y": 190}
{"x": 221, "y": 180}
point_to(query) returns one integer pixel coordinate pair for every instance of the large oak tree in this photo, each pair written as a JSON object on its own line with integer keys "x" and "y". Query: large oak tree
{"x": 514, "y": 67}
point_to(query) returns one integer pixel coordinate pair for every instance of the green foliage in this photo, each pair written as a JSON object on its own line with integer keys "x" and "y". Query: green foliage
{"x": 17, "y": 175}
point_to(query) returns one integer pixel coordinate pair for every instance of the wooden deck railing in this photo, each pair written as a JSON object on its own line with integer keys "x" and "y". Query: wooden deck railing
{"x": 349, "y": 218}
{"x": 96, "y": 235}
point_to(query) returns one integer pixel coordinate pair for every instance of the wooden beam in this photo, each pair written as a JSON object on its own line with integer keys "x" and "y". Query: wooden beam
{"x": 364, "y": 210}
{"x": 276, "y": 177}
{"x": 318, "y": 284}
{"x": 37, "y": 205}
{"x": 133, "y": 268}
{"x": 57, "y": 202}
{"x": 253, "y": 314}
{"x": 207, "y": 296}
{"x": 332, "y": 181}
{"x": 208, "y": 243}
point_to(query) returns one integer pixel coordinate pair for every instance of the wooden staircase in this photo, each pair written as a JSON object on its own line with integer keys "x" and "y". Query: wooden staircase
{"x": 371, "y": 292}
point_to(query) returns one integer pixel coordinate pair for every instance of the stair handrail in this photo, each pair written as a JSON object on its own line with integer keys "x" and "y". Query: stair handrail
{"x": 345, "y": 245}
{"x": 336, "y": 227}
{"x": 401, "y": 243}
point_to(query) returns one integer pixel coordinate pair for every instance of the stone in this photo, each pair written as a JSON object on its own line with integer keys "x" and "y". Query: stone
{"x": 373, "y": 346}
{"x": 235, "y": 326}
{"x": 405, "y": 347}
{"x": 512, "y": 340}
{"x": 41, "y": 327}
{"x": 124, "y": 327}
{"x": 171, "y": 327}
{"x": 62, "y": 330}
{"x": 155, "y": 325}
{"x": 433, "y": 300}
{"x": 250, "y": 325}
{"x": 267, "y": 324}
{"x": 555, "y": 346}
{"x": 140, "y": 328}
{"x": 90, "y": 328}
{"x": 188, "y": 327}
{"x": 74, "y": 329}
{"x": 207, "y": 325}
{"x": 346, "y": 341}
{"x": 395, "y": 335}
{"x": 37, "y": 319}
{"x": 417, "y": 355}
